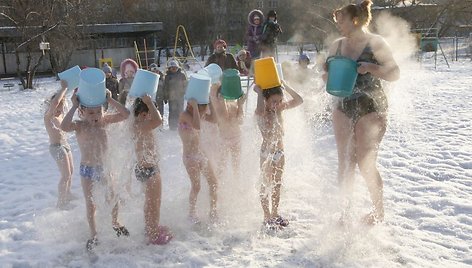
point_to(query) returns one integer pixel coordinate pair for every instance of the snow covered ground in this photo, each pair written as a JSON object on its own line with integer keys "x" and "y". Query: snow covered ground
{"x": 425, "y": 161}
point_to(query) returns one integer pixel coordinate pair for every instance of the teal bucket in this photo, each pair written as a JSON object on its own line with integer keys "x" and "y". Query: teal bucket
{"x": 231, "y": 85}
{"x": 213, "y": 71}
{"x": 92, "y": 91}
{"x": 198, "y": 88}
{"x": 144, "y": 82}
{"x": 342, "y": 76}
{"x": 72, "y": 76}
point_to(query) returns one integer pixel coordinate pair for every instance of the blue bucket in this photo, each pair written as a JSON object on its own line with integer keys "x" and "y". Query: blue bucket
{"x": 72, "y": 76}
{"x": 144, "y": 82}
{"x": 342, "y": 76}
{"x": 213, "y": 71}
{"x": 92, "y": 91}
{"x": 198, "y": 88}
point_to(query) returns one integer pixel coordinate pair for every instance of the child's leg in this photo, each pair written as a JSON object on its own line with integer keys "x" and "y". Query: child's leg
{"x": 213, "y": 187}
{"x": 193, "y": 170}
{"x": 152, "y": 205}
{"x": 265, "y": 186}
{"x": 71, "y": 169}
{"x": 277, "y": 172}
{"x": 236, "y": 157}
{"x": 64, "y": 183}
{"x": 87, "y": 187}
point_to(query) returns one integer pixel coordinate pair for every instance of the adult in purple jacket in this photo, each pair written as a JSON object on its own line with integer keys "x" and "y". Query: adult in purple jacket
{"x": 254, "y": 32}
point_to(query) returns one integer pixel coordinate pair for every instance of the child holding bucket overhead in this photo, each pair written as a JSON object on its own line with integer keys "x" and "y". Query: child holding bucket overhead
{"x": 360, "y": 117}
{"x": 228, "y": 101}
{"x": 194, "y": 159}
{"x": 148, "y": 118}
{"x": 270, "y": 105}
{"x": 93, "y": 141}
{"x": 59, "y": 147}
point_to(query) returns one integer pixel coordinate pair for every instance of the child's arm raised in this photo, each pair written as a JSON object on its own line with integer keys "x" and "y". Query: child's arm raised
{"x": 67, "y": 125}
{"x": 57, "y": 99}
{"x": 195, "y": 114}
{"x": 296, "y": 99}
{"x": 218, "y": 102}
{"x": 260, "y": 100}
{"x": 122, "y": 114}
{"x": 212, "y": 116}
{"x": 240, "y": 113}
{"x": 156, "y": 119}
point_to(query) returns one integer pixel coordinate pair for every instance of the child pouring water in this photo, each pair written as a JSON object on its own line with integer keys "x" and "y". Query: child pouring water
{"x": 229, "y": 117}
{"x": 147, "y": 118}
{"x": 194, "y": 159}
{"x": 270, "y": 105}
{"x": 93, "y": 141}
{"x": 59, "y": 147}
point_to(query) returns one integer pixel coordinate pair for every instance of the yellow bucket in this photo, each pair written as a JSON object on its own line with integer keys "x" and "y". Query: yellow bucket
{"x": 265, "y": 73}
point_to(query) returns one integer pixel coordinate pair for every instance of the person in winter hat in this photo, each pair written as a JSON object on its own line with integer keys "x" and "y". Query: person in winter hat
{"x": 254, "y": 32}
{"x": 111, "y": 82}
{"x": 175, "y": 84}
{"x": 270, "y": 31}
{"x": 160, "y": 88}
{"x": 243, "y": 60}
{"x": 128, "y": 69}
{"x": 220, "y": 57}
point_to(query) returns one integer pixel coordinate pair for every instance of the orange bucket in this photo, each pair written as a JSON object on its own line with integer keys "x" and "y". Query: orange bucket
{"x": 265, "y": 73}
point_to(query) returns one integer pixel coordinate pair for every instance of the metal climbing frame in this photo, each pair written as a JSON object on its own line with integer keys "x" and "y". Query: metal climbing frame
{"x": 183, "y": 59}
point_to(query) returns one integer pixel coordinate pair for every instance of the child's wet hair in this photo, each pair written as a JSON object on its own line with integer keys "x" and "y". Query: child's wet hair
{"x": 140, "y": 107}
{"x": 272, "y": 91}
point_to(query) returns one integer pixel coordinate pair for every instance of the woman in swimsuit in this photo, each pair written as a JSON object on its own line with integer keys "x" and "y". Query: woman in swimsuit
{"x": 359, "y": 121}
{"x": 194, "y": 160}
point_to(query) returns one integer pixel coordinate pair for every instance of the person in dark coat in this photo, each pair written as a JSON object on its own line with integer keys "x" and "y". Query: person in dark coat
{"x": 175, "y": 84}
{"x": 111, "y": 81}
{"x": 220, "y": 57}
{"x": 270, "y": 31}
{"x": 160, "y": 89}
{"x": 254, "y": 33}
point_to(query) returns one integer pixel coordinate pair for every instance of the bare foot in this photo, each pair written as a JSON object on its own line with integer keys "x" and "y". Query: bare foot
{"x": 372, "y": 219}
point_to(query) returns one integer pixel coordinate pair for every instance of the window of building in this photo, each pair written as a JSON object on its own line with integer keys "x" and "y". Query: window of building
{"x": 273, "y": 4}
{"x": 260, "y": 4}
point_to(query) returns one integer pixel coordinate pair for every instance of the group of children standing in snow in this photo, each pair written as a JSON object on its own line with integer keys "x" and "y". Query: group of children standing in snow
{"x": 92, "y": 137}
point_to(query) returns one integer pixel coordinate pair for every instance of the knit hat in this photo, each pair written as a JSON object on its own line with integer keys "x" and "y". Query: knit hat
{"x": 173, "y": 63}
{"x": 153, "y": 67}
{"x": 273, "y": 14}
{"x": 219, "y": 42}
{"x": 241, "y": 52}
{"x": 106, "y": 69}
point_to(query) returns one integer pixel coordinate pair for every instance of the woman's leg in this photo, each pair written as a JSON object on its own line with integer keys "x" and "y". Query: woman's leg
{"x": 370, "y": 130}
{"x": 152, "y": 205}
{"x": 345, "y": 144}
